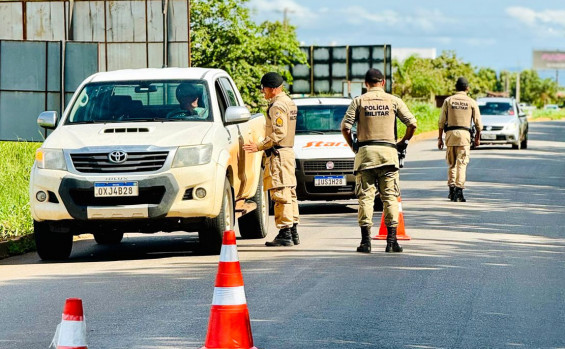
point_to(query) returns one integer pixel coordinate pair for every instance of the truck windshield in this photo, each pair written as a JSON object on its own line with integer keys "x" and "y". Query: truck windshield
{"x": 320, "y": 118}
{"x": 496, "y": 108}
{"x": 136, "y": 101}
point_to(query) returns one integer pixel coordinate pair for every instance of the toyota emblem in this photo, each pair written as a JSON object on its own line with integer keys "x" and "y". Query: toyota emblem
{"x": 118, "y": 156}
{"x": 330, "y": 165}
{"x": 488, "y": 128}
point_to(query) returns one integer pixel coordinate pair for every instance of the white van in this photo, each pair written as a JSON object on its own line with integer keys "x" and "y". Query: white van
{"x": 324, "y": 161}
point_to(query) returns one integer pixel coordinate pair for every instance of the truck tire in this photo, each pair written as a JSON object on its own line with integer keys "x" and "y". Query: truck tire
{"x": 108, "y": 238}
{"x": 255, "y": 224}
{"x": 211, "y": 234}
{"x": 51, "y": 245}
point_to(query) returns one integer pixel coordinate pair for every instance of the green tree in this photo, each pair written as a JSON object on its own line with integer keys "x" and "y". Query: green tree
{"x": 224, "y": 36}
{"x": 415, "y": 78}
{"x": 533, "y": 89}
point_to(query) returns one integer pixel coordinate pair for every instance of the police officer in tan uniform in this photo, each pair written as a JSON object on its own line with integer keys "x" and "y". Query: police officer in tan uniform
{"x": 279, "y": 177}
{"x": 376, "y": 160}
{"x": 455, "y": 119}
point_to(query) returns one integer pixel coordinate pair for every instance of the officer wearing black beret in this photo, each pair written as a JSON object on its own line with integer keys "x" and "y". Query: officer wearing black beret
{"x": 376, "y": 158}
{"x": 279, "y": 175}
{"x": 455, "y": 119}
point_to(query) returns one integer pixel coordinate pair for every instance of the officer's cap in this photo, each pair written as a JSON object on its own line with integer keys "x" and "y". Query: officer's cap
{"x": 374, "y": 75}
{"x": 272, "y": 80}
{"x": 461, "y": 84}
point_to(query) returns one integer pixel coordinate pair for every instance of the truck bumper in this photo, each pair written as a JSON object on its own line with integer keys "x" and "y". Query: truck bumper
{"x": 306, "y": 170}
{"x": 166, "y": 194}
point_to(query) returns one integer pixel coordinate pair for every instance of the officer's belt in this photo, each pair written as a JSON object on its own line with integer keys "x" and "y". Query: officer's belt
{"x": 386, "y": 144}
{"x": 451, "y": 128}
{"x": 274, "y": 150}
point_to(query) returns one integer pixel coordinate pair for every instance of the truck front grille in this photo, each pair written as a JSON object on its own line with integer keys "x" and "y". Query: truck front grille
{"x": 313, "y": 167}
{"x": 136, "y": 162}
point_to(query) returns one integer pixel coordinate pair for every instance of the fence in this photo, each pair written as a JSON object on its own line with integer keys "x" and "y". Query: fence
{"x": 48, "y": 47}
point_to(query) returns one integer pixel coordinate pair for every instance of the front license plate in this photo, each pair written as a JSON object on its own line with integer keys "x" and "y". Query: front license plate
{"x": 329, "y": 181}
{"x": 488, "y": 136}
{"x": 112, "y": 189}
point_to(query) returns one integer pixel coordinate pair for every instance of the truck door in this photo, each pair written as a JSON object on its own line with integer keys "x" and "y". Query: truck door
{"x": 239, "y": 133}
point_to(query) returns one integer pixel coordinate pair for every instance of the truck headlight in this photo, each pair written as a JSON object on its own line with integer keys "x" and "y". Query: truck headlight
{"x": 193, "y": 155}
{"x": 510, "y": 127}
{"x": 50, "y": 159}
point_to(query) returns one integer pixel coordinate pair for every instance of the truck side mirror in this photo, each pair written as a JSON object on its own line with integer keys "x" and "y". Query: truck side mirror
{"x": 47, "y": 119}
{"x": 236, "y": 114}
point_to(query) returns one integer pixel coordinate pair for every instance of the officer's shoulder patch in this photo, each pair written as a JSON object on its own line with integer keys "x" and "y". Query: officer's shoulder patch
{"x": 279, "y": 121}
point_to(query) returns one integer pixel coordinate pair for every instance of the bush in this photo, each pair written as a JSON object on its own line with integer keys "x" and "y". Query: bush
{"x": 426, "y": 114}
{"x": 548, "y": 114}
{"x": 15, "y": 215}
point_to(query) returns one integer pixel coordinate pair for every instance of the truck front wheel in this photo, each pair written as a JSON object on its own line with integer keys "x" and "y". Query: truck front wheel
{"x": 255, "y": 224}
{"x": 212, "y": 232}
{"x": 51, "y": 245}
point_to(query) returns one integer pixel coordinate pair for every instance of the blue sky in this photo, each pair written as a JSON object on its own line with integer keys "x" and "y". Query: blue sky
{"x": 499, "y": 34}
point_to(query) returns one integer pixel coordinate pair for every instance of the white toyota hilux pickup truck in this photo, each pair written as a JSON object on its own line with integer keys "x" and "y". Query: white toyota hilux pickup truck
{"x": 130, "y": 154}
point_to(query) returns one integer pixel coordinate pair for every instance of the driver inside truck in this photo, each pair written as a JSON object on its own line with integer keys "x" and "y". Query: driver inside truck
{"x": 188, "y": 96}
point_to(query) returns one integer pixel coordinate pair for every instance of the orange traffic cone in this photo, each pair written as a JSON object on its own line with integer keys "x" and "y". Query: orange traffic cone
{"x": 229, "y": 325}
{"x": 71, "y": 332}
{"x": 400, "y": 231}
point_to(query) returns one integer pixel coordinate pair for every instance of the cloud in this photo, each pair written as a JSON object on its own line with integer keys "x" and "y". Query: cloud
{"x": 420, "y": 20}
{"x": 547, "y": 22}
{"x": 296, "y": 13}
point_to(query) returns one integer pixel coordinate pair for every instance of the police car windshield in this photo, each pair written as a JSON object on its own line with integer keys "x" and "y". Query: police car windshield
{"x": 141, "y": 101}
{"x": 496, "y": 108}
{"x": 320, "y": 118}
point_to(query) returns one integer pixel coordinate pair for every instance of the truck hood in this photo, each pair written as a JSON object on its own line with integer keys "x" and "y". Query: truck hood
{"x": 327, "y": 146}
{"x": 161, "y": 134}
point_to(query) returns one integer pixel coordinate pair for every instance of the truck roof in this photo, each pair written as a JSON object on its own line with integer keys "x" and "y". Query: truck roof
{"x": 154, "y": 74}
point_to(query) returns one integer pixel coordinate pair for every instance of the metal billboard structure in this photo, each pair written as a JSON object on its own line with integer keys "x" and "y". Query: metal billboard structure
{"x": 333, "y": 70}
{"x": 47, "y": 47}
{"x": 548, "y": 60}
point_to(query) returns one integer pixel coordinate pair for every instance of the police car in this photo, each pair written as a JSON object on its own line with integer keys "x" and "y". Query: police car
{"x": 324, "y": 161}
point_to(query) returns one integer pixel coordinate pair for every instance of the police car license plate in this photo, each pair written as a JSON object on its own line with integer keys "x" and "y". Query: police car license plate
{"x": 329, "y": 181}
{"x": 488, "y": 136}
{"x": 113, "y": 189}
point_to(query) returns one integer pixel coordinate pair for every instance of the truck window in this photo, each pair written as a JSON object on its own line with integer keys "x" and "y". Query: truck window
{"x": 229, "y": 92}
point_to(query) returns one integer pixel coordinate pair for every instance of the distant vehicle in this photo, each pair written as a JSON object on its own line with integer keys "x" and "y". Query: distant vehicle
{"x": 503, "y": 122}
{"x": 551, "y": 107}
{"x": 527, "y": 108}
{"x": 324, "y": 161}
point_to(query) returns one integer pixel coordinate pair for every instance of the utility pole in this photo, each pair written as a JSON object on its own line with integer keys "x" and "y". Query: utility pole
{"x": 518, "y": 87}
{"x": 285, "y": 12}
{"x": 165, "y": 8}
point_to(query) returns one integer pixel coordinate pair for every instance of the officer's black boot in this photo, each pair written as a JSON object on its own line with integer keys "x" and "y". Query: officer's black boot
{"x": 451, "y": 193}
{"x": 365, "y": 245}
{"x": 294, "y": 232}
{"x": 284, "y": 238}
{"x": 391, "y": 242}
{"x": 459, "y": 195}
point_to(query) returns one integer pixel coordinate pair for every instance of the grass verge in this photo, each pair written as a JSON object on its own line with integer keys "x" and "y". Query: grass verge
{"x": 15, "y": 216}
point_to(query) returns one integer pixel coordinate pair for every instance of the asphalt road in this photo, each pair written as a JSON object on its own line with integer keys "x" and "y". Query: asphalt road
{"x": 489, "y": 273}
